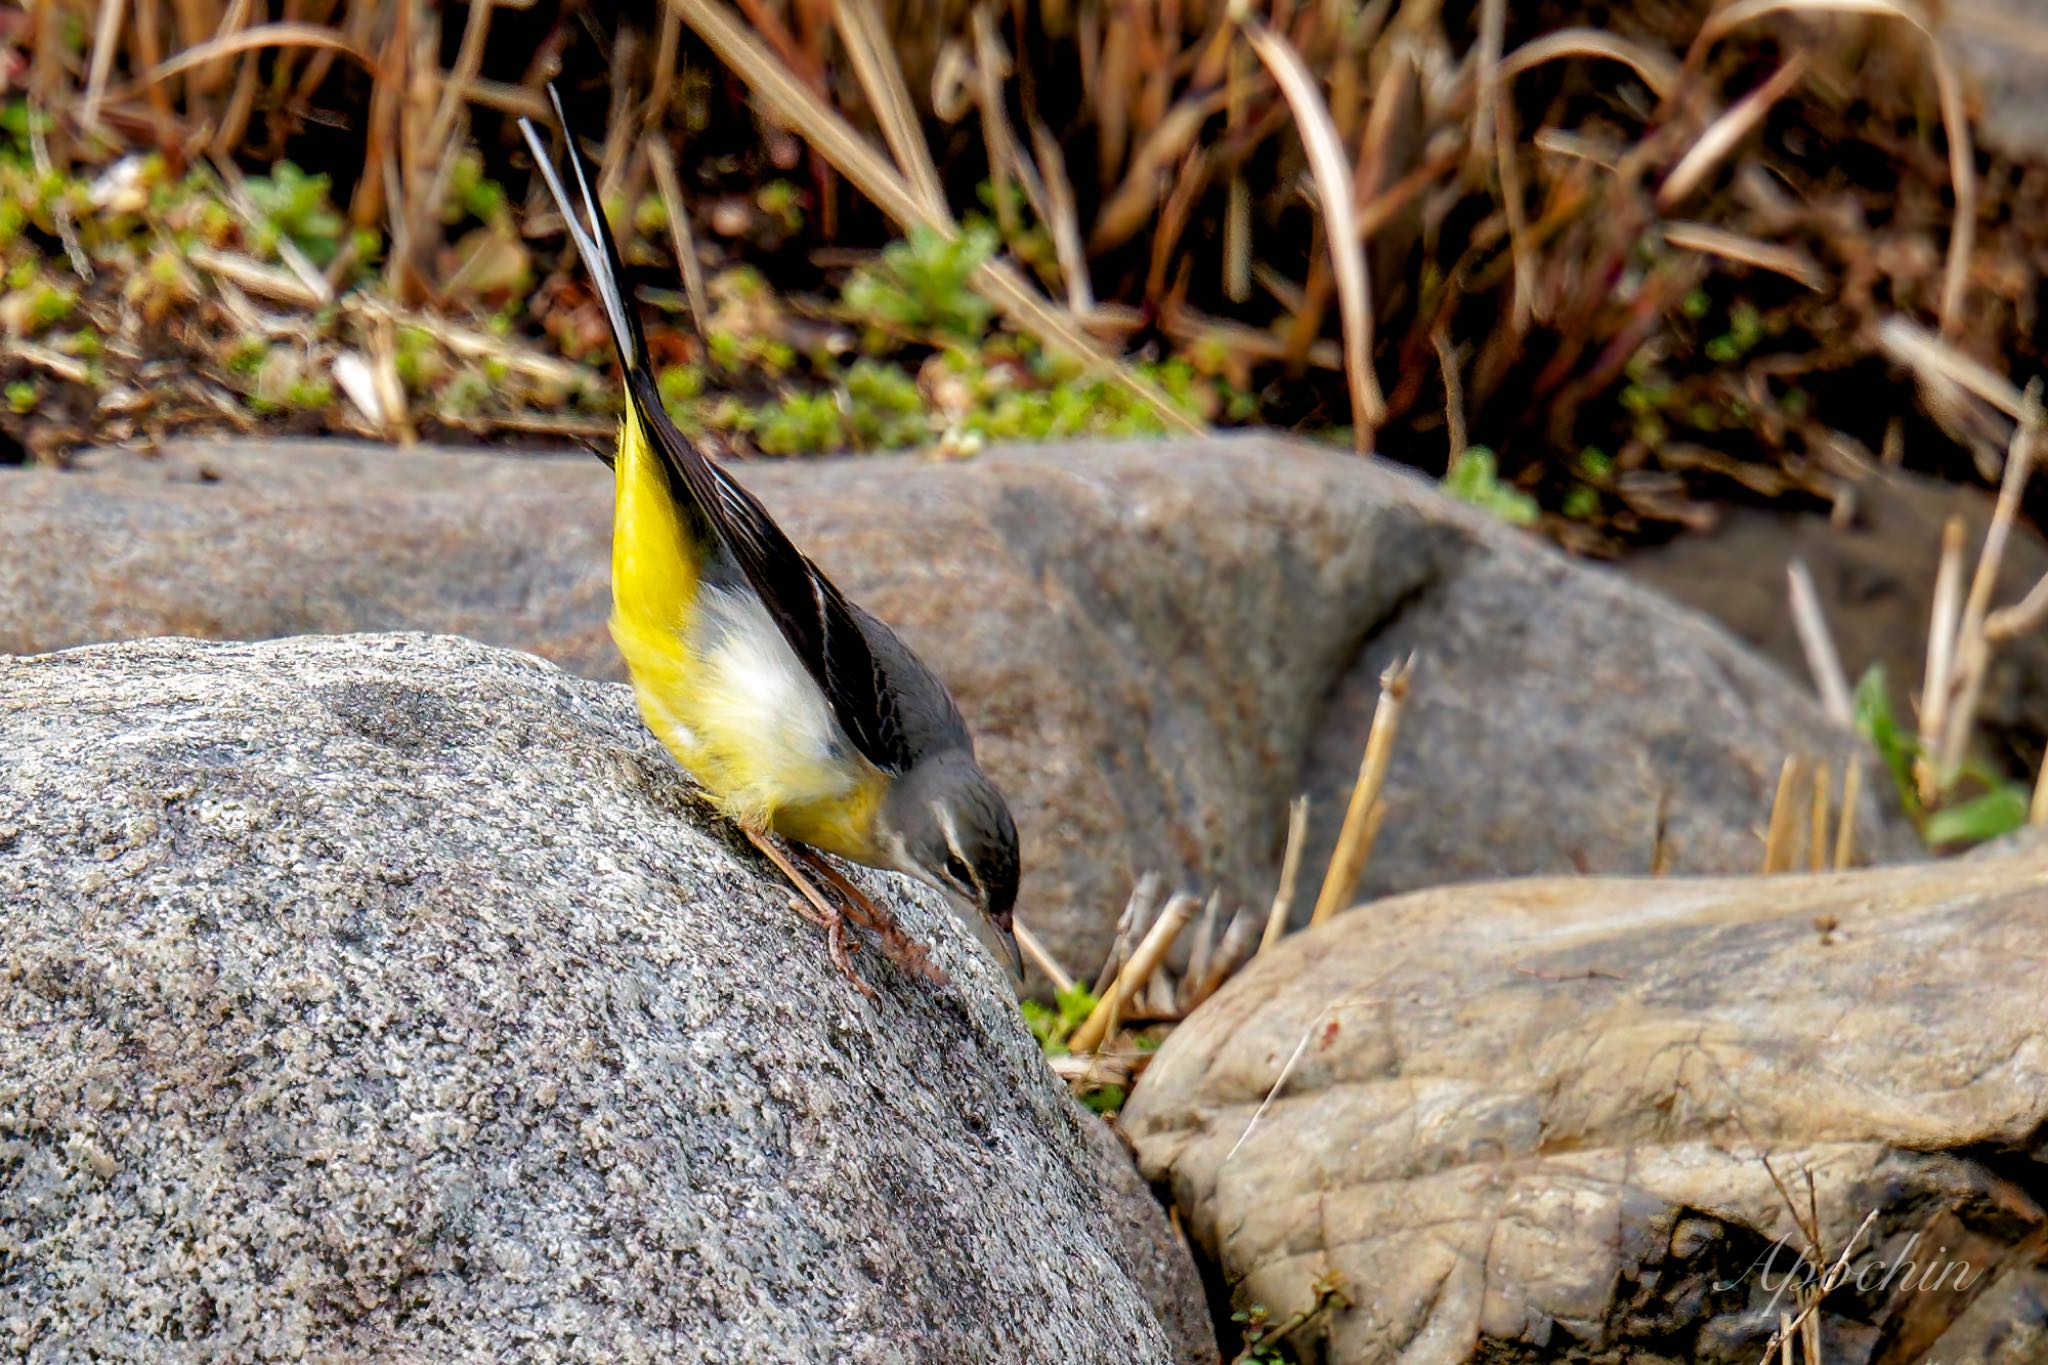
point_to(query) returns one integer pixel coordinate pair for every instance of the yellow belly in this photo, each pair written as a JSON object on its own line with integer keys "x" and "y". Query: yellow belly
{"x": 720, "y": 688}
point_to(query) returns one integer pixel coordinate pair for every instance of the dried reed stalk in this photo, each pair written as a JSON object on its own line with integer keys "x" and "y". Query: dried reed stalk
{"x": 1823, "y": 660}
{"x": 1937, "y": 683}
{"x": 1781, "y": 839}
{"x": 1817, "y": 840}
{"x": 1362, "y": 817}
{"x": 1845, "y": 833}
{"x": 1036, "y": 954}
{"x": 1135, "y": 974}
{"x": 1239, "y": 939}
{"x": 1290, "y": 873}
{"x": 1972, "y": 650}
{"x": 1346, "y": 245}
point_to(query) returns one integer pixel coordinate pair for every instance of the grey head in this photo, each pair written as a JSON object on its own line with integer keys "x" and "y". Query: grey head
{"x": 945, "y": 823}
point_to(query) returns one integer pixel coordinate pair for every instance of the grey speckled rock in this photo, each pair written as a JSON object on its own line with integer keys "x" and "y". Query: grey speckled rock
{"x": 1158, "y": 643}
{"x": 392, "y": 998}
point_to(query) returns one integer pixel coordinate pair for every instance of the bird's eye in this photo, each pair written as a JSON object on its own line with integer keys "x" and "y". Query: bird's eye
{"x": 957, "y": 870}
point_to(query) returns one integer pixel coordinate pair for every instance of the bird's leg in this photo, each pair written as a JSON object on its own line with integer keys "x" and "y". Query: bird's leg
{"x": 898, "y": 946}
{"x": 827, "y": 914}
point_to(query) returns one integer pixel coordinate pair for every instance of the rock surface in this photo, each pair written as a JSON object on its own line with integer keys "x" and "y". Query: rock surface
{"x": 1875, "y": 581}
{"x": 394, "y": 998}
{"x": 1158, "y": 644}
{"x": 1529, "y": 1120}
{"x": 2002, "y": 46}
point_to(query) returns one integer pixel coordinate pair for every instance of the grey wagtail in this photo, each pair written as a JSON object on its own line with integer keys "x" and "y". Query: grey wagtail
{"x": 797, "y": 712}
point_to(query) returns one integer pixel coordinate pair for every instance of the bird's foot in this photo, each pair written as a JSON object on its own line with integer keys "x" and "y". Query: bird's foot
{"x": 898, "y": 946}
{"x": 816, "y": 907}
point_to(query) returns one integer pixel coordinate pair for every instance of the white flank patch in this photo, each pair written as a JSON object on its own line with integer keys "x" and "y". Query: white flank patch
{"x": 757, "y": 692}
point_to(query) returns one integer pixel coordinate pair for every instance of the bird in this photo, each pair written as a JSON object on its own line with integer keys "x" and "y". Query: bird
{"x": 803, "y": 717}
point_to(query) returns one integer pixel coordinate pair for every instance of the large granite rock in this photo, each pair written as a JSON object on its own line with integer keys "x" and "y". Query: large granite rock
{"x": 394, "y": 998}
{"x": 1159, "y": 644}
{"x": 1551, "y": 1120}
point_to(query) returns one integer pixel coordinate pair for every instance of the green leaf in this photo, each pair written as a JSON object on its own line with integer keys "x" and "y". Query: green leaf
{"x": 1876, "y": 723}
{"x": 1999, "y": 811}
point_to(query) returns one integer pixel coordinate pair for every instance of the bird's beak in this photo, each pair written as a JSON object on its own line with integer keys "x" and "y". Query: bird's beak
{"x": 1016, "y": 956}
{"x": 1000, "y": 943}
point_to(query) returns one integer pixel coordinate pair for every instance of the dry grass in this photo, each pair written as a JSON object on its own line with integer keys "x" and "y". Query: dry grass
{"x": 1302, "y": 199}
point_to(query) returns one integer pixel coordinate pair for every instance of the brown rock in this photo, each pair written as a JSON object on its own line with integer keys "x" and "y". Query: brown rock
{"x": 1158, "y": 644}
{"x": 1530, "y": 1120}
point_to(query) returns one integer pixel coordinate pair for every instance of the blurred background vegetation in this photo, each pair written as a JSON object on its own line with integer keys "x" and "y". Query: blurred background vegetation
{"x": 1612, "y": 264}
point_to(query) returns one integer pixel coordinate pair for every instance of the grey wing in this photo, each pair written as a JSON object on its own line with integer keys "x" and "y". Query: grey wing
{"x": 925, "y": 719}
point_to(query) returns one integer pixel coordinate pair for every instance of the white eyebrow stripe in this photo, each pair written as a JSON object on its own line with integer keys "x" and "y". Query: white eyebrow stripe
{"x": 946, "y": 827}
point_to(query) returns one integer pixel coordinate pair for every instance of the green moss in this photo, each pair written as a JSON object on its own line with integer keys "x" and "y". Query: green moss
{"x": 309, "y": 394}
{"x": 294, "y": 205}
{"x": 466, "y": 394}
{"x": 417, "y": 358}
{"x": 737, "y": 352}
{"x": 22, "y": 396}
{"x": 471, "y": 193}
{"x": 85, "y": 343}
{"x": 650, "y": 215}
{"x": 1745, "y": 330}
{"x": 246, "y": 357}
{"x": 1474, "y": 477}
{"x": 921, "y": 287}
{"x": 679, "y": 384}
{"x": 49, "y": 305}
{"x": 782, "y": 202}
{"x": 1106, "y": 1100}
{"x": 801, "y": 423}
{"x": 1053, "y": 1024}
{"x": 885, "y": 411}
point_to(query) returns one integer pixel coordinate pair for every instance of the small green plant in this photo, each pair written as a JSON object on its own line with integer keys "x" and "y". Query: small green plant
{"x": 309, "y": 393}
{"x": 296, "y": 206}
{"x": 1745, "y": 330}
{"x": 782, "y": 202}
{"x": 1474, "y": 477}
{"x": 922, "y": 286}
{"x": 1265, "y": 1341}
{"x": 418, "y": 359}
{"x": 679, "y": 385}
{"x": 798, "y": 424}
{"x": 246, "y": 356}
{"x": 471, "y": 193}
{"x": 884, "y": 408}
{"x": 1053, "y": 1024}
{"x": 1999, "y": 808}
{"x": 22, "y": 396}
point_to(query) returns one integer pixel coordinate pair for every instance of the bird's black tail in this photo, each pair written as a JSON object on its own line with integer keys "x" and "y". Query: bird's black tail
{"x": 593, "y": 239}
